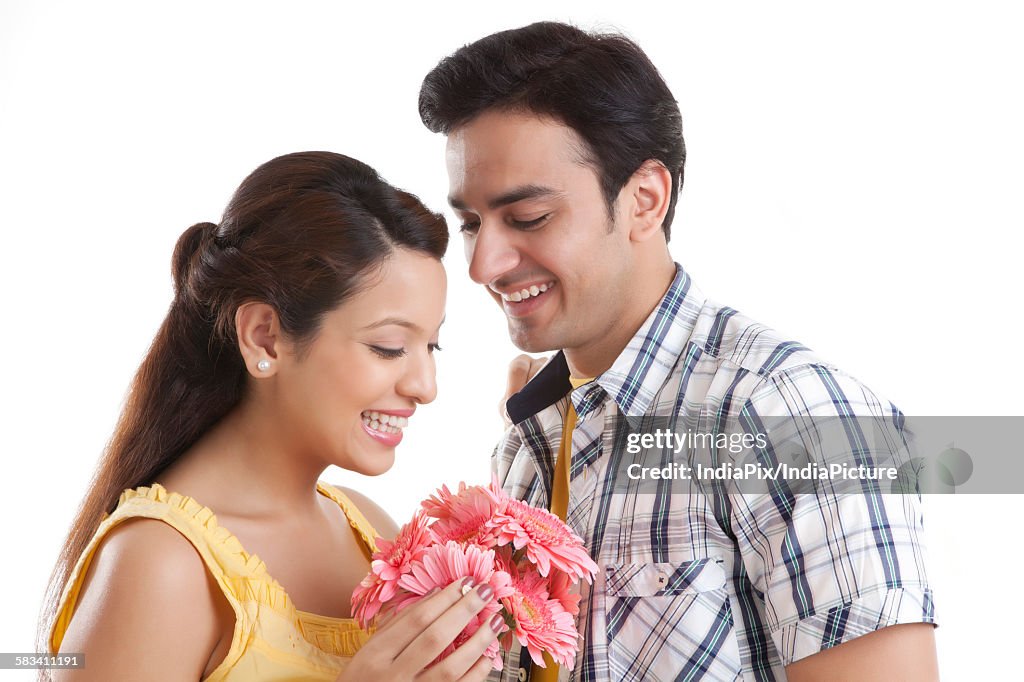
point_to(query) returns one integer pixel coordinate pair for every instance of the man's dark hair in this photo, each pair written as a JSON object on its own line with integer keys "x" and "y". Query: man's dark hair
{"x": 601, "y": 85}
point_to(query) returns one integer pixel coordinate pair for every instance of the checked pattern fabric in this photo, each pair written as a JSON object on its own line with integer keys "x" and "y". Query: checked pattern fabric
{"x": 714, "y": 584}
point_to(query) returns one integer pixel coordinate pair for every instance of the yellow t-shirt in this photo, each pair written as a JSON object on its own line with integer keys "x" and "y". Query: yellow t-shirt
{"x": 272, "y": 639}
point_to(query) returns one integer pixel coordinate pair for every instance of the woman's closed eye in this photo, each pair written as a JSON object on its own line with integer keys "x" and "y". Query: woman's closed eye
{"x": 395, "y": 353}
{"x": 387, "y": 353}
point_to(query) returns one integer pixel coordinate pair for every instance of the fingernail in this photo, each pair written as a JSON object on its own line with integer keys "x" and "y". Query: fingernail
{"x": 497, "y": 622}
{"x": 485, "y": 591}
{"x": 467, "y": 585}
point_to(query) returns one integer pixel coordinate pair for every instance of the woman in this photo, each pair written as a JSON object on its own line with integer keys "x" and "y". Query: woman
{"x": 300, "y": 336}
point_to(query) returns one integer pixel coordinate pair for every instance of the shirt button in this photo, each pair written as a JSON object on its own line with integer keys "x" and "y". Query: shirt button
{"x": 662, "y": 579}
{"x": 522, "y": 675}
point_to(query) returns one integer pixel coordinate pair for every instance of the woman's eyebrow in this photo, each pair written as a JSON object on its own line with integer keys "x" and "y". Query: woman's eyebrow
{"x": 399, "y": 321}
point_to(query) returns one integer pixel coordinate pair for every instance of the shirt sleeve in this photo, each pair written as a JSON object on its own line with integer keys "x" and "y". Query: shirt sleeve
{"x": 828, "y": 560}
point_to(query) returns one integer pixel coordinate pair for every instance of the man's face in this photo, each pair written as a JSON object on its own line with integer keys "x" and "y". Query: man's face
{"x": 536, "y": 229}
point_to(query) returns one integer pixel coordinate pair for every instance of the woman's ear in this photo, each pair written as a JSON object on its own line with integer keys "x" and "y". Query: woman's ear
{"x": 259, "y": 337}
{"x": 650, "y": 191}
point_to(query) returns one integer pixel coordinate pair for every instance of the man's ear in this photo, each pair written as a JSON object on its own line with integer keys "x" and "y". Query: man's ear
{"x": 648, "y": 198}
{"x": 259, "y": 337}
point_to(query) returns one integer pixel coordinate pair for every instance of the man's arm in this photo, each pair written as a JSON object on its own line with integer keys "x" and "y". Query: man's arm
{"x": 903, "y": 652}
{"x": 841, "y": 569}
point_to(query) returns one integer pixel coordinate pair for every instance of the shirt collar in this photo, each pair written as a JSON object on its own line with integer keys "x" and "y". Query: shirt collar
{"x": 641, "y": 368}
{"x": 544, "y": 390}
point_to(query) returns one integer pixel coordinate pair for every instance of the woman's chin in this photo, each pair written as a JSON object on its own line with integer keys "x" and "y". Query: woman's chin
{"x": 371, "y": 463}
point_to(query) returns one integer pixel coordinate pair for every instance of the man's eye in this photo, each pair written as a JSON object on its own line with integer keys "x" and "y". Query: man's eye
{"x": 529, "y": 224}
{"x": 388, "y": 353}
{"x": 469, "y": 227}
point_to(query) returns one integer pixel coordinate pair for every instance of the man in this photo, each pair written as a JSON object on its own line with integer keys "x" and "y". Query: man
{"x": 565, "y": 156}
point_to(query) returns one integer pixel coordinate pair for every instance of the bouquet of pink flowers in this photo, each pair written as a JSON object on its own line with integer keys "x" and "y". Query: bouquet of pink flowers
{"x": 529, "y": 557}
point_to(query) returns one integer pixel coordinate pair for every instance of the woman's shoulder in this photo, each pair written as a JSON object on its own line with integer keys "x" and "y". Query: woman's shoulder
{"x": 381, "y": 521}
{"x": 146, "y": 588}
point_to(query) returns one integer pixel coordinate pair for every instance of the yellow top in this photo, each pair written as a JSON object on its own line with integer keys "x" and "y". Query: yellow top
{"x": 272, "y": 639}
{"x": 560, "y": 507}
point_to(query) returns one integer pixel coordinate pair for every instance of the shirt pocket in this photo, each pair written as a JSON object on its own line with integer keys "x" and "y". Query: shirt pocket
{"x": 670, "y": 621}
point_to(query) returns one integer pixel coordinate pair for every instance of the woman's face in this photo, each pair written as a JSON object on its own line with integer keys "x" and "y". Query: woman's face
{"x": 349, "y": 399}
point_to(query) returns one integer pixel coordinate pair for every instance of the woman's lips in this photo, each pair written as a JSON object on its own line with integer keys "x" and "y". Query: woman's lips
{"x": 386, "y": 438}
{"x": 385, "y": 426}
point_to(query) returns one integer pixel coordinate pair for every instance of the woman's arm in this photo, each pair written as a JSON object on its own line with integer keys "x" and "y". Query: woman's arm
{"x": 148, "y": 609}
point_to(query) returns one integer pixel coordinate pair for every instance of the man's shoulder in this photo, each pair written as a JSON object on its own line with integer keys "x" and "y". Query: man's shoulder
{"x": 751, "y": 365}
{"x": 728, "y": 337}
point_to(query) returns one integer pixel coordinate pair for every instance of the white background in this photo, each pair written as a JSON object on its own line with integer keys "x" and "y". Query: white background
{"x": 853, "y": 180}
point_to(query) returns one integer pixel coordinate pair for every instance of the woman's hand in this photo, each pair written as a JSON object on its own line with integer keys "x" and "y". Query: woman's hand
{"x": 402, "y": 649}
{"x": 520, "y": 371}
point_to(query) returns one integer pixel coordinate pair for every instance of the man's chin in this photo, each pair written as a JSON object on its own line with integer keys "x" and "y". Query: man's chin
{"x": 532, "y": 340}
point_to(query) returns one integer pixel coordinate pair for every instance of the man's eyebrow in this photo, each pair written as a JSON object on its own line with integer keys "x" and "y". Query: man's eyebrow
{"x": 512, "y": 196}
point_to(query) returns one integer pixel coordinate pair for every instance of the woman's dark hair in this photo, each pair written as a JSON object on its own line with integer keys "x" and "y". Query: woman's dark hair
{"x": 602, "y": 86}
{"x": 303, "y": 233}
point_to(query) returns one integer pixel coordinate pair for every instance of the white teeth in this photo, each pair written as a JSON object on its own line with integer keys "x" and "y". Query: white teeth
{"x": 388, "y": 423}
{"x": 523, "y": 294}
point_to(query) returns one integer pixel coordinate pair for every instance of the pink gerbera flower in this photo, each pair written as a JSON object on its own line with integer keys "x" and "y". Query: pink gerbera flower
{"x": 463, "y": 516}
{"x": 541, "y": 623}
{"x": 547, "y": 539}
{"x": 560, "y": 589}
{"x": 440, "y": 566}
{"x": 390, "y": 562}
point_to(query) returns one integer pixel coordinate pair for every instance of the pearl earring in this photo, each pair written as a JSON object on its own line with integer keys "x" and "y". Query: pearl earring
{"x": 263, "y": 365}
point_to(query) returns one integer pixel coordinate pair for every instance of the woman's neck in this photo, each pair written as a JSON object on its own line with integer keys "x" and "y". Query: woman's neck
{"x": 250, "y": 466}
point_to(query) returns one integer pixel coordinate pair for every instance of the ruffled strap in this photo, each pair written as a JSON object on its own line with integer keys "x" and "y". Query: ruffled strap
{"x": 243, "y": 577}
{"x": 364, "y": 529}
{"x": 225, "y": 558}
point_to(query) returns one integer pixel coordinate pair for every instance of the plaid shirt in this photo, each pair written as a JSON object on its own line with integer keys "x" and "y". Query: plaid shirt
{"x": 712, "y": 586}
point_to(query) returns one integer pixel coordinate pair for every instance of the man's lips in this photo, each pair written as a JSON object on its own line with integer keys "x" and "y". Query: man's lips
{"x": 517, "y": 306}
{"x": 523, "y": 292}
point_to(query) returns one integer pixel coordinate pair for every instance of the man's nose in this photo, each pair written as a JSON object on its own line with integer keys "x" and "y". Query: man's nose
{"x": 491, "y": 253}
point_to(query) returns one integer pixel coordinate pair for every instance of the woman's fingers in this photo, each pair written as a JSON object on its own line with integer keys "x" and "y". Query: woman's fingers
{"x": 464, "y": 660}
{"x": 438, "y": 630}
{"x": 405, "y": 646}
{"x": 422, "y": 613}
{"x": 479, "y": 672}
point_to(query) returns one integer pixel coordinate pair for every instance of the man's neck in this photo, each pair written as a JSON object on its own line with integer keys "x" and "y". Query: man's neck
{"x": 597, "y": 357}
